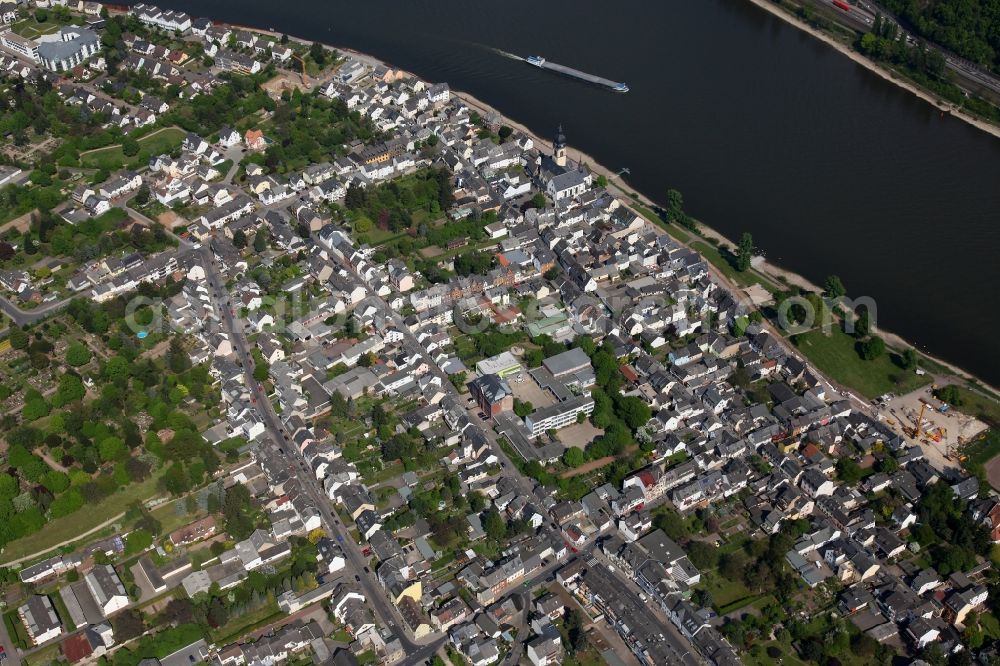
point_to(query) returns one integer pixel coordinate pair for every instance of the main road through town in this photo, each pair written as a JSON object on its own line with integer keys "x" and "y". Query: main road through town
{"x": 417, "y": 651}
{"x": 525, "y": 487}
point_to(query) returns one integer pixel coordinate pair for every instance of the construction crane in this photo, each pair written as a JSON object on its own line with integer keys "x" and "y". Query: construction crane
{"x": 305, "y": 78}
{"x": 920, "y": 422}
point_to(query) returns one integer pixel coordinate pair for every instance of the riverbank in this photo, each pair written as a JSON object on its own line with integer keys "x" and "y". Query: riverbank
{"x": 768, "y": 268}
{"x": 878, "y": 68}
{"x": 630, "y": 196}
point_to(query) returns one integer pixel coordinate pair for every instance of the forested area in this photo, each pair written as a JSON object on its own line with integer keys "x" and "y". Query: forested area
{"x": 970, "y": 28}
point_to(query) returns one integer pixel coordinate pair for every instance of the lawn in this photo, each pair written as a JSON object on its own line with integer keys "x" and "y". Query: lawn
{"x": 32, "y": 29}
{"x": 980, "y": 451}
{"x": 743, "y": 279}
{"x": 170, "y": 518}
{"x": 246, "y": 622}
{"x": 70, "y": 527}
{"x": 156, "y": 143}
{"x": 725, "y": 592}
{"x": 976, "y": 404}
{"x": 757, "y": 655}
{"x": 836, "y": 356}
{"x": 15, "y": 628}
{"x": 671, "y": 229}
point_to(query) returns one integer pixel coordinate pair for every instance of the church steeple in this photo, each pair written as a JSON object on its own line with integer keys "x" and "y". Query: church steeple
{"x": 559, "y": 147}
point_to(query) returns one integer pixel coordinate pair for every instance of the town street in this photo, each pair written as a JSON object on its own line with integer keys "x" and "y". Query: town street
{"x": 417, "y": 652}
{"x": 680, "y": 645}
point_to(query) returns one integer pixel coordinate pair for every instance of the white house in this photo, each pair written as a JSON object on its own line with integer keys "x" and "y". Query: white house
{"x": 107, "y": 588}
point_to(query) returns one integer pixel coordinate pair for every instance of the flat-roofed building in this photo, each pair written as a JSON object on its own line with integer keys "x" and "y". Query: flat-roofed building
{"x": 558, "y": 415}
{"x": 503, "y": 364}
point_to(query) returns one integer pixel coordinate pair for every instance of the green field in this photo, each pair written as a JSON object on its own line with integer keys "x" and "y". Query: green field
{"x": 726, "y": 592}
{"x": 672, "y": 229}
{"x": 72, "y": 526}
{"x": 16, "y": 629}
{"x": 976, "y": 404}
{"x": 32, "y": 29}
{"x": 744, "y": 279}
{"x": 757, "y": 655}
{"x": 835, "y": 355}
{"x": 161, "y": 141}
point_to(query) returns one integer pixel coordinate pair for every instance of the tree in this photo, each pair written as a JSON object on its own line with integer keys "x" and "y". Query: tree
{"x": 872, "y": 348}
{"x": 495, "y": 526}
{"x": 130, "y": 146}
{"x": 833, "y": 287}
{"x": 260, "y": 241}
{"x": 239, "y": 239}
{"x": 18, "y": 338}
{"x": 949, "y": 394}
{"x": 112, "y": 448}
{"x": 476, "y": 501}
{"x": 573, "y": 623}
{"x": 848, "y": 471}
{"x": 260, "y": 372}
{"x": 909, "y": 358}
{"x": 35, "y": 409}
{"x": 218, "y": 614}
{"x": 70, "y": 389}
{"x": 77, "y": 354}
{"x": 142, "y": 195}
{"x": 522, "y": 408}
{"x": 318, "y": 53}
{"x": 862, "y": 325}
{"x": 538, "y": 200}
{"x": 634, "y": 411}
{"x": 574, "y": 457}
{"x": 128, "y": 625}
{"x": 176, "y": 480}
{"x": 675, "y": 205}
{"x": 745, "y": 252}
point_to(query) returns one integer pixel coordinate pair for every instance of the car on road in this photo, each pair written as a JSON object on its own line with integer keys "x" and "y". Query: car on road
{"x": 340, "y": 538}
{"x": 366, "y": 570}
{"x": 357, "y": 578}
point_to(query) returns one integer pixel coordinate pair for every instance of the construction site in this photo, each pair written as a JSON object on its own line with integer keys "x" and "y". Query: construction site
{"x": 288, "y": 80}
{"x": 940, "y": 431}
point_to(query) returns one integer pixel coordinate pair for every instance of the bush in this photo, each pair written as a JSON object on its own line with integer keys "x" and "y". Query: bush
{"x": 66, "y": 503}
{"x": 77, "y": 354}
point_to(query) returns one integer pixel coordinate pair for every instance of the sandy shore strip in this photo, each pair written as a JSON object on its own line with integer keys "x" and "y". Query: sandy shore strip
{"x": 879, "y": 69}
{"x": 762, "y": 265}
{"x": 615, "y": 182}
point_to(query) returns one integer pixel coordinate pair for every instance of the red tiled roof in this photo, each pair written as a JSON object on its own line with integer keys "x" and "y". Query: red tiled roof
{"x": 629, "y": 373}
{"x": 77, "y": 648}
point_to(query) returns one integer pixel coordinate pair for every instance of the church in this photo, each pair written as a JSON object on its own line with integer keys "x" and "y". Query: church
{"x": 561, "y": 182}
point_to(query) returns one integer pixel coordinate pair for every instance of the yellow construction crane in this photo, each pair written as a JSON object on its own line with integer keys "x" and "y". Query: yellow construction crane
{"x": 920, "y": 421}
{"x": 305, "y": 78}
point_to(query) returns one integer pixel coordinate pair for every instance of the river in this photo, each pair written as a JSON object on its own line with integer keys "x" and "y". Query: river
{"x": 763, "y": 129}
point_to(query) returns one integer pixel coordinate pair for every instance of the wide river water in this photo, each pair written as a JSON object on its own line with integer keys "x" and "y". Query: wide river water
{"x": 763, "y": 129}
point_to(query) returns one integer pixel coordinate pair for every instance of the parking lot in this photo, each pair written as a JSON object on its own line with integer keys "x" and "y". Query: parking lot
{"x": 578, "y": 435}
{"x": 528, "y": 390}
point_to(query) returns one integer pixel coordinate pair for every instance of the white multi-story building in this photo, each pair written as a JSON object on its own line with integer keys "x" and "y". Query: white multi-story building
{"x": 66, "y": 49}
{"x": 20, "y": 45}
{"x": 558, "y": 415}
{"x": 158, "y": 18}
